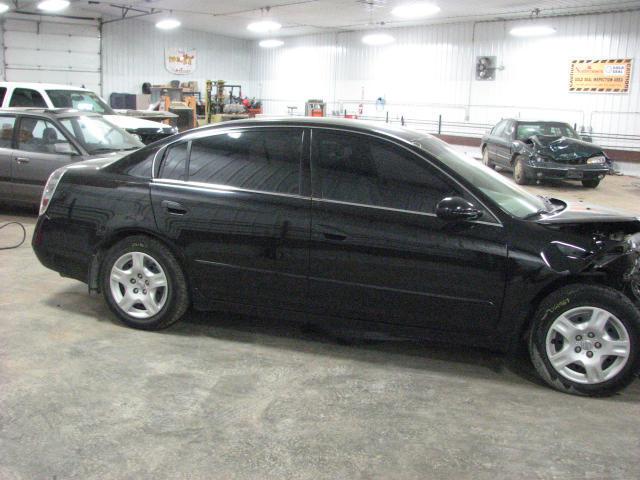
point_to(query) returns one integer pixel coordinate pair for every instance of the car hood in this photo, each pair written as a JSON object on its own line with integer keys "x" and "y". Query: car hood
{"x": 132, "y": 123}
{"x": 563, "y": 149}
{"x": 585, "y": 213}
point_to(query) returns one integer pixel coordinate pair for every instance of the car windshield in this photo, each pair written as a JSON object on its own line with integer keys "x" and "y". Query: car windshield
{"x": 529, "y": 129}
{"x": 80, "y": 100}
{"x": 97, "y": 135}
{"x": 511, "y": 198}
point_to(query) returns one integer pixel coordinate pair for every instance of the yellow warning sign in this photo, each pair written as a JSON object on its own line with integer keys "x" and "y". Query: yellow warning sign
{"x": 608, "y": 76}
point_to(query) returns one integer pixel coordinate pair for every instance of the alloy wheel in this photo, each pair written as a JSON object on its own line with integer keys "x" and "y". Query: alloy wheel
{"x": 138, "y": 284}
{"x": 588, "y": 345}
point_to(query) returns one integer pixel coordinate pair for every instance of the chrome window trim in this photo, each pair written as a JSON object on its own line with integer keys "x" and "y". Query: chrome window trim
{"x": 226, "y": 188}
{"x": 206, "y": 132}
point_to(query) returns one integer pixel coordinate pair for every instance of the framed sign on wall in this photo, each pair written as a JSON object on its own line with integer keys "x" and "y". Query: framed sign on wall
{"x": 180, "y": 61}
{"x": 606, "y": 76}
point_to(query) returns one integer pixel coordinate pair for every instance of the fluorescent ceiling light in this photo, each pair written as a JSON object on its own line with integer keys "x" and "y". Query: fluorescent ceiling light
{"x": 168, "y": 24}
{"x": 532, "y": 31}
{"x": 415, "y": 10}
{"x": 3, "y": 7}
{"x": 53, "y": 5}
{"x": 271, "y": 43}
{"x": 264, "y": 26}
{"x": 378, "y": 39}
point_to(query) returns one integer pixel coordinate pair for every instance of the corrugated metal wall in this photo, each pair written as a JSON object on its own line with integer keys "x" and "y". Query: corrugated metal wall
{"x": 133, "y": 53}
{"x": 429, "y": 71}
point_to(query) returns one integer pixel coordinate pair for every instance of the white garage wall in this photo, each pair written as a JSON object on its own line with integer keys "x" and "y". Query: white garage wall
{"x": 133, "y": 53}
{"x": 429, "y": 71}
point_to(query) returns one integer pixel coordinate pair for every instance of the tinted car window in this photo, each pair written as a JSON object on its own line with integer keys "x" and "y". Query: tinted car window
{"x": 267, "y": 159}
{"x": 41, "y": 136}
{"x": 3, "y": 92}
{"x": 174, "y": 164}
{"x": 358, "y": 169}
{"x": 6, "y": 131}
{"x": 25, "y": 97}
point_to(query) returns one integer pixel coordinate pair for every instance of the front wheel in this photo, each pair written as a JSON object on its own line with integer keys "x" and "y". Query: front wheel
{"x": 590, "y": 183}
{"x": 518, "y": 171}
{"x": 584, "y": 340}
{"x": 143, "y": 283}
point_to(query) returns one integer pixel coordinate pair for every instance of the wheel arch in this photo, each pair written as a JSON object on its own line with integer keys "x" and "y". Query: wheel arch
{"x": 120, "y": 234}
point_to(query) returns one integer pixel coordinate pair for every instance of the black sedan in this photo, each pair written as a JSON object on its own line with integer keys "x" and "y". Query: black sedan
{"x": 352, "y": 225}
{"x": 537, "y": 151}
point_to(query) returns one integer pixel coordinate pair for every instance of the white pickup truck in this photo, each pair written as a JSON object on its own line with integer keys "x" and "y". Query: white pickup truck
{"x": 45, "y": 95}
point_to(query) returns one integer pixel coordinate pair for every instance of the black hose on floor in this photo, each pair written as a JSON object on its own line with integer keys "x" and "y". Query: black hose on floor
{"x": 24, "y": 235}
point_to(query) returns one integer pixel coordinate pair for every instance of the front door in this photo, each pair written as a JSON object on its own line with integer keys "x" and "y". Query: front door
{"x": 379, "y": 253}
{"x": 504, "y": 144}
{"x": 7, "y": 122}
{"x": 41, "y": 149}
{"x": 234, "y": 202}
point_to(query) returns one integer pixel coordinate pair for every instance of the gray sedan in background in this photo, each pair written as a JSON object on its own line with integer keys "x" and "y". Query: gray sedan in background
{"x": 35, "y": 142}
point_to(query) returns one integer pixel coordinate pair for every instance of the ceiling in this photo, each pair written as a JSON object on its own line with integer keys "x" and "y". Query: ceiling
{"x": 300, "y": 17}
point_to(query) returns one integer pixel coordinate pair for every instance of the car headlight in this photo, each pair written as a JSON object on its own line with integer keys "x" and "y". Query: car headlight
{"x": 634, "y": 241}
{"x": 598, "y": 159}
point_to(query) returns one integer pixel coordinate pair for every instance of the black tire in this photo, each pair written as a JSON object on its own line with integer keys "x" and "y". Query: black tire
{"x": 485, "y": 158}
{"x": 590, "y": 183}
{"x": 177, "y": 293}
{"x": 519, "y": 174}
{"x": 569, "y": 298}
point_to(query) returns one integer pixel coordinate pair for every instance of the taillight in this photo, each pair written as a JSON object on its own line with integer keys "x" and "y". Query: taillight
{"x": 50, "y": 189}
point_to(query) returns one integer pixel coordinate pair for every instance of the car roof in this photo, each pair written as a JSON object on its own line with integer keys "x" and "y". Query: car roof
{"x": 43, "y": 86}
{"x": 525, "y": 120}
{"x": 50, "y": 112}
{"x": 325, "y": 122}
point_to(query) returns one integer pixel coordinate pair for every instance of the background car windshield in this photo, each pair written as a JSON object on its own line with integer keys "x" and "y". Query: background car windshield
{"x": 97, "y": 135}
{"x": 526, "y": 130}
{"x": 80, "y": 100}
{"x": 511, "y": 198}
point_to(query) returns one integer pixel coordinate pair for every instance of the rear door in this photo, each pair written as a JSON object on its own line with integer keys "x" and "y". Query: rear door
{"x": 380, "y": 254}
{"x": 7, "y": 124}
{"x": 41, "y": 148}
{"x": 494, "y": 137}
{"x": 235, "y": 202}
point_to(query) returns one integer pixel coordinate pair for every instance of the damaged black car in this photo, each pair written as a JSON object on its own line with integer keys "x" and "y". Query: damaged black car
{"x": 538, "y": 151}
{"x": 351, "y": 226}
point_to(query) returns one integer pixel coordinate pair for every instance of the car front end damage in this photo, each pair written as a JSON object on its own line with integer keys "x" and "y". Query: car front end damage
{"x": 564, "y": 158}
{"x": 611, "y": 258}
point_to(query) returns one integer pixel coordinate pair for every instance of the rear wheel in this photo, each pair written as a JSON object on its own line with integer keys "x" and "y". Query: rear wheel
{"x": 590, "y": 183}
{"x": 584, "y": 340}
{"x": 518, "y": 171}
{"x": 143, "y": 283}
{"x": 485, "y": 158}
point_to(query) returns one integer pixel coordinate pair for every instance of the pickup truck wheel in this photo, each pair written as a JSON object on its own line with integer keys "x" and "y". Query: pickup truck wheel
{"x": 590, "y": 183}
{"x": 485, "y": 158}
{"x": 584, "y": 340}
{"x": 143, "y": 283}
{"x": 518, "y": 171}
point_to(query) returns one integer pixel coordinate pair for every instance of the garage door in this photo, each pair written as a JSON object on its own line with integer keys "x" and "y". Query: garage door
{"x": 52, "y": 52}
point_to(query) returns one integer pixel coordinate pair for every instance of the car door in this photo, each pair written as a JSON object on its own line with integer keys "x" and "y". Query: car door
{"x": 495, "y": 133}
{"x": 235, "y": 202}
{"x": 7, "y": 123}
{"x": 41, "y": 148}
{"x": 504, "y": 144}
{"x": 378, "y": 251}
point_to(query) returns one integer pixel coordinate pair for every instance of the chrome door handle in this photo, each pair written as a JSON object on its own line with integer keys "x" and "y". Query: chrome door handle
{"x": 22, "y": 160}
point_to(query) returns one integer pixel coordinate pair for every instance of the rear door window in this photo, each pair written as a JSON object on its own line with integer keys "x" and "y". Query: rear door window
{"x": 26, "y": 97}
{"x": 6, "y": 131}
{"x": 265, "y": 159}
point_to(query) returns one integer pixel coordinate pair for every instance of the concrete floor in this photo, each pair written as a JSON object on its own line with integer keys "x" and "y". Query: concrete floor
{"x": 227, "y": 397}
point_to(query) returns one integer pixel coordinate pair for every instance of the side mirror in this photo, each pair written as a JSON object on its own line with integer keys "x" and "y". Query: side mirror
{"x": 457, "y": 208}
